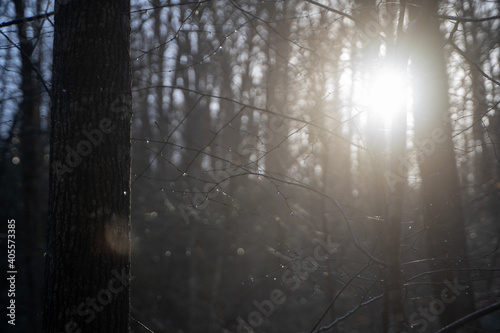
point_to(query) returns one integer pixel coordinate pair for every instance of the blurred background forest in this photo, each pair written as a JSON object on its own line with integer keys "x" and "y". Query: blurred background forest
{"x": 263, "y": 175}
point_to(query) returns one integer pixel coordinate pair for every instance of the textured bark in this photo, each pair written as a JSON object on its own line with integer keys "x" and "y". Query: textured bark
{"x": 88, "y": 257}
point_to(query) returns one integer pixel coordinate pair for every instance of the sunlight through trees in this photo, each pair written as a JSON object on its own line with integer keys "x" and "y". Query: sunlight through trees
{"x": 295, "y": 166}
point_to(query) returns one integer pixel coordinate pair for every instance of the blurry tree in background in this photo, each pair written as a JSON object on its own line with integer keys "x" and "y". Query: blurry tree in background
{"x": 24, "y": 105}
{"x": 297, "y": 165}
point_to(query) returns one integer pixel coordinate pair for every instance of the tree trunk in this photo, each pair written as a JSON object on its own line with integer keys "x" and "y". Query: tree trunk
{"x": 393, "y": 288}
{"x": 442, "y": 207}
{"x": 31, "y": 162}
{"x": 88, "y": 257}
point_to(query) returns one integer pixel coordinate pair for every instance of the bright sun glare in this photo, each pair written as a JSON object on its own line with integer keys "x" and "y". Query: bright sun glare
{"x": 387, "y": 95}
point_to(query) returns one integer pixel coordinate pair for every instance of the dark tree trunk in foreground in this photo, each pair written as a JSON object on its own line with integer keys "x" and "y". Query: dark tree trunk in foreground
{"x": 442, "y": 207}
{"x": 88, "y": 257}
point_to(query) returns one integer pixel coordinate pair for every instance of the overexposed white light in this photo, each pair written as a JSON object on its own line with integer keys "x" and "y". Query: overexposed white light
{"x": 387, "y": 94}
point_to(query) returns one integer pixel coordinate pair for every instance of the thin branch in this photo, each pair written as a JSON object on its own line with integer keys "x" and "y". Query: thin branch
{"x": 452, "y": 33}
{"x": 293, "y": 182}
{"x": 176, "y": 35}
{"x": 296, "y": 183}
{"x": 170, "y": 5}
{"x": 336, "y": 297}
{"x": 165, "y": 141}
{"x": 446, "y": 17}
{"x": 32, "y": 65}
{"x": 349, "y": 313}
{"x": 263, "y": 110}
{"x": 470, "y": 317}
{"x": 333, "y": 10}
{"x": 473, "y": 63}
{"x": 142, "y": 325}
{"x": 352, "y": 18}
{"x": 468, "y": 19}
{"x": 247, "y": 13}
{"x": 478, "y": 120}
{"x": 49, "y": 14}
{"x": 26, "y": 19}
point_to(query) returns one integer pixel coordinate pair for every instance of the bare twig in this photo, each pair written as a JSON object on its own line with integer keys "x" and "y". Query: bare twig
{"x": 32, "y": 65}
{"x": 333, "y": 10}
{"x": 446, "y": 17}
{"x": 349, "y": 313}
{"x": 470, "y": 317}
{"x": 314, "y": 330}
{"x": 468, "y": 19}
{"x": 473, "y": 63}
{"x": 26, "y": 19}
{"x": 142, "y": 325}
{"x": 263, "y": 110}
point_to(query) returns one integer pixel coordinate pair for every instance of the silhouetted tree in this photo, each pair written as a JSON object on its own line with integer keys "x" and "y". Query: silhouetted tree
{"x": 88, "y": 256}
